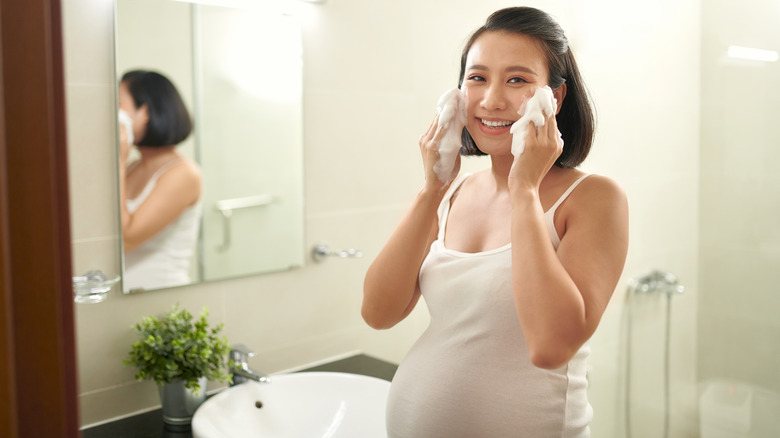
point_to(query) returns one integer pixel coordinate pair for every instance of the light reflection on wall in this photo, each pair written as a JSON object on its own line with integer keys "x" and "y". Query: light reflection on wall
{"x": 250, "y": 82}
{"x": 254, "y": 67}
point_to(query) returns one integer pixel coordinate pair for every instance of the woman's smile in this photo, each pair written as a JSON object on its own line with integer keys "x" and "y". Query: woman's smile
{"x": 494, "y": 126}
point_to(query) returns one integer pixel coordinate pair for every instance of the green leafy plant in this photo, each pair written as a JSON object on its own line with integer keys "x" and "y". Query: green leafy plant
{"x": 177, "y": 347}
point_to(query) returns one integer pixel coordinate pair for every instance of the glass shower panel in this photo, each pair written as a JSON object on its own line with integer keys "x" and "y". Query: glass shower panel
{"x": 738, "y": 327}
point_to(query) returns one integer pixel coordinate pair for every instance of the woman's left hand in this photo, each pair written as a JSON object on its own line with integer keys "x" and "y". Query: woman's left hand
{"x": 542, "y": 148}
{"x": 124, "y": 144}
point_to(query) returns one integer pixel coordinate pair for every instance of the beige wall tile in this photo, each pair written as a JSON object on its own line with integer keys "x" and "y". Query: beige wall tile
{"x": 92, "y": 160}
{"x": 88, "y": 34}
{"x": 98, "y": 253}
{"x": 359, "y": 141}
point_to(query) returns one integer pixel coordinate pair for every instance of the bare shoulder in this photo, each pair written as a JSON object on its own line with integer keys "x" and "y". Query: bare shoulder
{"x": 599, "y": 195}
{"x": 184, "y": 171}
{"x": 600, "y": 186}
{"x": 595, "y": 221}
{"x": 184, "y": 178}
{"x": 190, "y": 169}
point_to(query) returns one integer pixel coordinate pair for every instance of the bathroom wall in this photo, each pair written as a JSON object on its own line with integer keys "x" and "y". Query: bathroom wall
{"x": 373, "y": 71}
{"x": 740, "y": 198}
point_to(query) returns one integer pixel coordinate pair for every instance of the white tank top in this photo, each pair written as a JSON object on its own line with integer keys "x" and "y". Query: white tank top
{"x": 163, "y": 260}
{"x": 470, "y": 374}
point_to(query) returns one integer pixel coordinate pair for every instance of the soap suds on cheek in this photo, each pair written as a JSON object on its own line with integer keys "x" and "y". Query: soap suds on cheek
{"x": 536, "y": 110}
{"x": 452, "y": 118}
{"x": 127, "y": 122}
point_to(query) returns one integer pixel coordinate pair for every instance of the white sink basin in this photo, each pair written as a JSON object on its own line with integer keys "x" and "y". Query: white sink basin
{"x": 298, "y": 405}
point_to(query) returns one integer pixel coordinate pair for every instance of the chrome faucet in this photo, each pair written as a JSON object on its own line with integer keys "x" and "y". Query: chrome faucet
{"x": 240, "y": 368}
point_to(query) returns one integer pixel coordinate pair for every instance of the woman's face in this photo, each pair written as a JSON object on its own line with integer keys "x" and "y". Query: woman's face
{"x": 139, "y": 115}
{"x": 502, "y": 71}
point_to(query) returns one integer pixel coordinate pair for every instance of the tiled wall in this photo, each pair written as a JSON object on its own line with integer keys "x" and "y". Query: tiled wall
{"x": 373, "y": 71}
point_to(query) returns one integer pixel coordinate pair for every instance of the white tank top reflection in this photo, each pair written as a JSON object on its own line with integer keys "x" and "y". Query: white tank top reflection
{"x": 164, "y": 260}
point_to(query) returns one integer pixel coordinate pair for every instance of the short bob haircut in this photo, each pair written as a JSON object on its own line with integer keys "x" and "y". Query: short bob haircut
{"x": 576, "y": 120}
{"x": 169, "y": 121}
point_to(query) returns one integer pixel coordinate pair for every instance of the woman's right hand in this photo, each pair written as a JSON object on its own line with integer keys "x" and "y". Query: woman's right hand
{"x": 543, "y": 146}
{"x": 429, "y": 149}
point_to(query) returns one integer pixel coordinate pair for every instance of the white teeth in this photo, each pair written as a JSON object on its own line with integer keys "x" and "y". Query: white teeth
{"x": 495, "y": 124}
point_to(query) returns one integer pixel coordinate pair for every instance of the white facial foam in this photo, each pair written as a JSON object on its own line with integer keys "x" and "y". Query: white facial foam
{"x": 452, "y": 119}
{"x": 125, "y": 120}
{"x": 535, "y": 110}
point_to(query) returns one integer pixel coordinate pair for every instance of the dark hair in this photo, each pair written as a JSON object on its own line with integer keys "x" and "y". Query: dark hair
{"x": 169, "y": 121}
{"x": 576, "y": 120}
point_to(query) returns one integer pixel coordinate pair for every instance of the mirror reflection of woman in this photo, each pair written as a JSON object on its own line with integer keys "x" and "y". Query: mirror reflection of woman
{"x": 160, "y": 192}
{"x": 516, "y": 263}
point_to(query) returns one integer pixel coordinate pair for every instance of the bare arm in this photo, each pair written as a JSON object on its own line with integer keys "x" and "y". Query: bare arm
{"x": 390, "y": 288}
{"x": 176, "y": 189}
{"x": 561, "y": 295}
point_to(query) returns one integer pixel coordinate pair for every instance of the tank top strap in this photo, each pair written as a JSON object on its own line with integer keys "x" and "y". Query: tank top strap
{"x": 444, "y": 207}
{"x": 158, "y": 173}
{"x": 164, "y": 168}
{"x": 566, "y": 194}
{"x": 549, "y": 215}
{"x": 150, "y": 185}
{"x": 133, "y": 165}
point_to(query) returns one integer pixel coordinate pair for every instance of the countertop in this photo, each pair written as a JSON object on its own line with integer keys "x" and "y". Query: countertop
{"x": 150, "y": 425}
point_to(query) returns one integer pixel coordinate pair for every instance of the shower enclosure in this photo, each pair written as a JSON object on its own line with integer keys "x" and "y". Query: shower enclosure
{"x": 707, "y": 363}
{"x": 738, "y": 348}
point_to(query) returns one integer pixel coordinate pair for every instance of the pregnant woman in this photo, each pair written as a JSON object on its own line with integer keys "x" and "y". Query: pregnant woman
{"x": 516, "y": 263}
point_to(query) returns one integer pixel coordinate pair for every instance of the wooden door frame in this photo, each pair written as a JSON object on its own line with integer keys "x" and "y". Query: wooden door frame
{"x": 38, "y": 384}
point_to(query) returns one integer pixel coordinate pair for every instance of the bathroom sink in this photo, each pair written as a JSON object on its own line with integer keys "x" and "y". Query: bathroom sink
{"x": 297, "y": 405}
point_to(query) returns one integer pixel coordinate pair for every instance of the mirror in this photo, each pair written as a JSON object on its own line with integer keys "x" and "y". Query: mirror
{"x": 239, "y": 74}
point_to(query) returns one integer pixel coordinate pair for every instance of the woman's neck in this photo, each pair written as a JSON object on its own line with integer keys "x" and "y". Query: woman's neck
{"x": 152, "y": 155}
{"x": 499, "y": 171}
{"x": 502, "y": 164}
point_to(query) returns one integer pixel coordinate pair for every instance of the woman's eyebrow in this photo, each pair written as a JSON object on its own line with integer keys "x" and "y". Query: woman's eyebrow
{"x": 521, "y": 68}
{"x": 512, "y": 69}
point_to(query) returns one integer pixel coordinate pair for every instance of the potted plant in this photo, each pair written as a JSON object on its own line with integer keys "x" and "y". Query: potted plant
{"x": 180, "y": 354}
